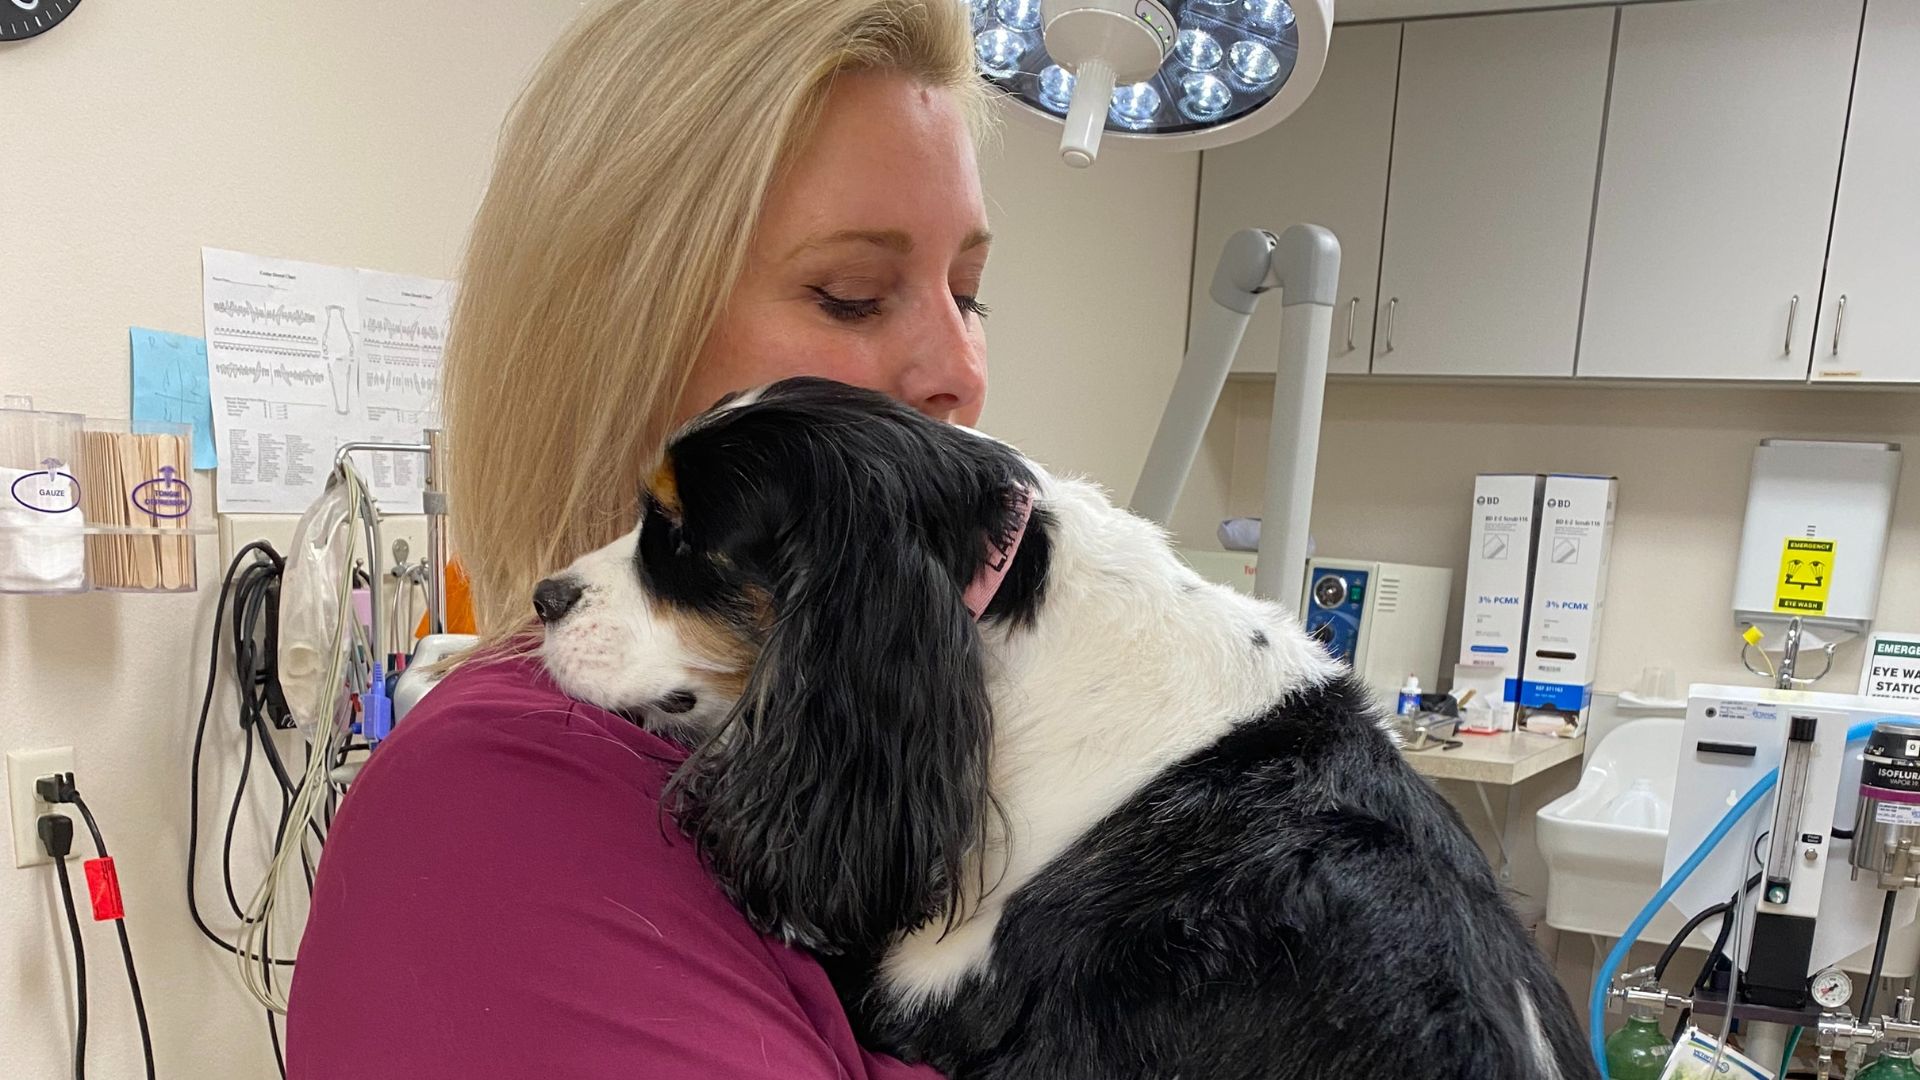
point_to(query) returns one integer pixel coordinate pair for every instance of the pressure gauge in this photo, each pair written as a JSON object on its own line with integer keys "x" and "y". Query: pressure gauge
{"x": 1832, "y": 988}
{"x": 1330, "y": 591}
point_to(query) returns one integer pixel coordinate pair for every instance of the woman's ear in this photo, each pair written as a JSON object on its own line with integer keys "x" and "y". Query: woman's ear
{"x": 840, "y": 802}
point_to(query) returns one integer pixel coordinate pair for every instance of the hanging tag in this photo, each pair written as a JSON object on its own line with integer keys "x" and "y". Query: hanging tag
{"x": 103, "y": 885}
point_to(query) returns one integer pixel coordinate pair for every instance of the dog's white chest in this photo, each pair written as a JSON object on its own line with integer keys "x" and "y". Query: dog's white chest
{"x": 927, "y": 964}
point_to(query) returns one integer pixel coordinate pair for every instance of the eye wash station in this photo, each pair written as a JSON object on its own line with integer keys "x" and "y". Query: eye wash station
{"x": 1794, "y": 836}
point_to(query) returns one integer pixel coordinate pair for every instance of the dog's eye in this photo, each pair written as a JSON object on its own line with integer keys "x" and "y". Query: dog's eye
{"x": 677, "y": 540}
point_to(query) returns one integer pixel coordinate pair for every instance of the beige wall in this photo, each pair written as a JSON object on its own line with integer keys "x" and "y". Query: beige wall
{"x": 1088, "y": 285}
{"x": 359, "y": 133}
{"x": 343, "y": 132}
{"x": 1395, "y": 482}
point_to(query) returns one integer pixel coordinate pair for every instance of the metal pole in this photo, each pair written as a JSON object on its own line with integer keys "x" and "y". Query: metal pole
{"x": 340, "y": 455}
{"x": 1789, "y": 655}
{"x": 434, "y": 502}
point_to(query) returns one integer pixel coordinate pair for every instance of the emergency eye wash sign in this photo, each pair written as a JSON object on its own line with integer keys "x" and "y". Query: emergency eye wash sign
{"x": 1892, "y": 669}
{"x": 1806, "y": 577}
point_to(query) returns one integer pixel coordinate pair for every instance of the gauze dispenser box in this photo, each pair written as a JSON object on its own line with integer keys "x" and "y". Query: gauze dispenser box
{"x": 1569, "y": 597}
{"x": 1493, "y": 625}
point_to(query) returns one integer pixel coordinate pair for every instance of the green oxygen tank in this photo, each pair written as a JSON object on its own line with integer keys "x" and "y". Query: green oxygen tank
{"x": 1639, "y": 1051}
{"x": 1889, "y": 1066}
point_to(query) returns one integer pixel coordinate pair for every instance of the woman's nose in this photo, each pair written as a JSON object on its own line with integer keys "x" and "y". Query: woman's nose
{"x": 946, "y": 374}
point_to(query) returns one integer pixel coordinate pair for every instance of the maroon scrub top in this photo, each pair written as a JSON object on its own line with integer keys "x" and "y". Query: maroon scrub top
{"x": 501, "y": 896}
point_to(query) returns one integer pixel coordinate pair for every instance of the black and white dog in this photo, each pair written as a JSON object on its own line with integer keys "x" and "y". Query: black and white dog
{"x": 1121, "y": 824}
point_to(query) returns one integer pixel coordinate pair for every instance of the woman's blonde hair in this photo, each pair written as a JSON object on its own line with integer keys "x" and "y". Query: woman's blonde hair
{"x": 628, "y": 180}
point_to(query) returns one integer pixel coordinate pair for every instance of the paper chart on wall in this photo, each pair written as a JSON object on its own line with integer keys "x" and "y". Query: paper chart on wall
{"x": 302, "y": 357}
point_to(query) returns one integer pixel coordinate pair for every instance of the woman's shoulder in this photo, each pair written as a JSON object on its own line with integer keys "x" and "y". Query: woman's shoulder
{"x": 504, "y": 865}
{"x": 510, "y": 707}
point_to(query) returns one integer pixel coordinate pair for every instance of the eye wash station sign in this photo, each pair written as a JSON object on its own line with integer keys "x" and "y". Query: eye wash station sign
{"x": 1892, "y": 669}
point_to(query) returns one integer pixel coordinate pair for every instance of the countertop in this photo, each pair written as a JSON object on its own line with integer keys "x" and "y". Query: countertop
{"x": 1504, "y": 759}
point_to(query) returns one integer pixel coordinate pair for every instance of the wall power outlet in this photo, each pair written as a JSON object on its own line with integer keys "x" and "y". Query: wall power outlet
{"x": 23, "y": 768}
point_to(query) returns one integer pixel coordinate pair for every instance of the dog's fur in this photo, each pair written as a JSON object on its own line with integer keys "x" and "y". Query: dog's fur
{"x": 1129, "y": 824}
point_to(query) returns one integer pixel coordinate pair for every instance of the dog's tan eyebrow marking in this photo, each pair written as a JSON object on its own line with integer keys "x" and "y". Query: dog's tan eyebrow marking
{"x": 664, "y": 486}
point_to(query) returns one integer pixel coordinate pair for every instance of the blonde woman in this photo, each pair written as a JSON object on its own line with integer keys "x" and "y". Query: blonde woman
{"x": 690, "y": 198}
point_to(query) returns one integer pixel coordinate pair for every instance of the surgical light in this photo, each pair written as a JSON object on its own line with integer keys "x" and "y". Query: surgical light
{"x": 1182, "y": 74}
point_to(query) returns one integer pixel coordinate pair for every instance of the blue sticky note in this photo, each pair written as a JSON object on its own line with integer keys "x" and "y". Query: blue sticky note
{"x": 170, "y": 384}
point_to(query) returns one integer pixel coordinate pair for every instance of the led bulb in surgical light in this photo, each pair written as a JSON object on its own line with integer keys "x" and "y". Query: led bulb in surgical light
{"x": 1269, "y": 15}
{"x": 1197, "y": 50}
{"x": 1135, "y": 104}
{"x": 1204, "y": 96}
{"x": 1019, "y": 14}
{"x": 1056, "y": 88}
{"x": 999, "y": 50}
{"x": 1253, "y": 65}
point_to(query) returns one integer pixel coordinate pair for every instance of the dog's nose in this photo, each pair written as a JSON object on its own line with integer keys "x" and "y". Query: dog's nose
{"x": 554, "y": 597}
{"x": 677, "y": 702}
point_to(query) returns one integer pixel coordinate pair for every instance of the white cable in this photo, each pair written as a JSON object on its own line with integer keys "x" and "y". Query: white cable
{"x": 1733, "y": 975}
{"x": 310, "y": 796}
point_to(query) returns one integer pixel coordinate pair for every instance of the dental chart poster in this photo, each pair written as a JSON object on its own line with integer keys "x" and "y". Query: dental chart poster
{"x": 302, "y": 358}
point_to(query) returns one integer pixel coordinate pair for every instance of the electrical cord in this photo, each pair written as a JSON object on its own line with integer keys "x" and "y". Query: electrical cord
{"x": 1879, "y": 955}
{"x": 233, "y": 821}
{"x": 246, "y": 619}
{"x": 310, "y": 795}
{"x": 120, "y": 926}
{"x": 248, "y": 603}
{"x": 257, "y": 553}
{"x": 273, "y": 1033}
{"x": 56, "y": 838}
{"x": 1719, "y": 941}
{"x": 1679, "y": 939}
{"x": 1714, "y": 954}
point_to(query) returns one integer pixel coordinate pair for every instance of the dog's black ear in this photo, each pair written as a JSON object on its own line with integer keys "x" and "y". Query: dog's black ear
{"x": 841, "y": 801}
{"x": 843, "y": 796}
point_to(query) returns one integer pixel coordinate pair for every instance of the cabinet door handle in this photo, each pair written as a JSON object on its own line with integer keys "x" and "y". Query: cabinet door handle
{"x": 1391, "y": 304}
{"x": 1793, "y": 310}
{"x": 1839, "y": 318}
{"x": 1353, "y": 310}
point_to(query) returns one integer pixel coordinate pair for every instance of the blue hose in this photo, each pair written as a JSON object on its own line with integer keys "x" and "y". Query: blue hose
{"x": 1603, "y": 979}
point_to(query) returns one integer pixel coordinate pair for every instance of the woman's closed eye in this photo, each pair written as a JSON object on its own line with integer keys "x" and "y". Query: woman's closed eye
{"x": 845, "y": 308}
{"x": 853, "y": 309}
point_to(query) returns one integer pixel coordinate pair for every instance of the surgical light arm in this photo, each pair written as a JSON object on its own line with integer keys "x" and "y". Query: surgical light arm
{"x": 1303, "y": 264}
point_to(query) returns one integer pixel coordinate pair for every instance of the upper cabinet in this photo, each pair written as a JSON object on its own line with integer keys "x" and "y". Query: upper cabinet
{"x": 1327, "y": 165}
{"x": 1700, "y": 189}
{"x": 1873, "y": 265}
{"x": 1723, "y": 145}
{"x": 1495, "y": 143}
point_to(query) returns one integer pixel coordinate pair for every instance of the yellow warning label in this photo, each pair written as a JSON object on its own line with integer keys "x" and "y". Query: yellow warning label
{"x": 1806, "y": 575}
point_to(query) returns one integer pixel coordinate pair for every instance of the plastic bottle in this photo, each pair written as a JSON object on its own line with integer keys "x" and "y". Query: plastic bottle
{"x": 1890, "y": 1066}
{"x": 1409, "y": 697}
{"x": 1639, "y": 806}
{"x": 1638, "y": 1051}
